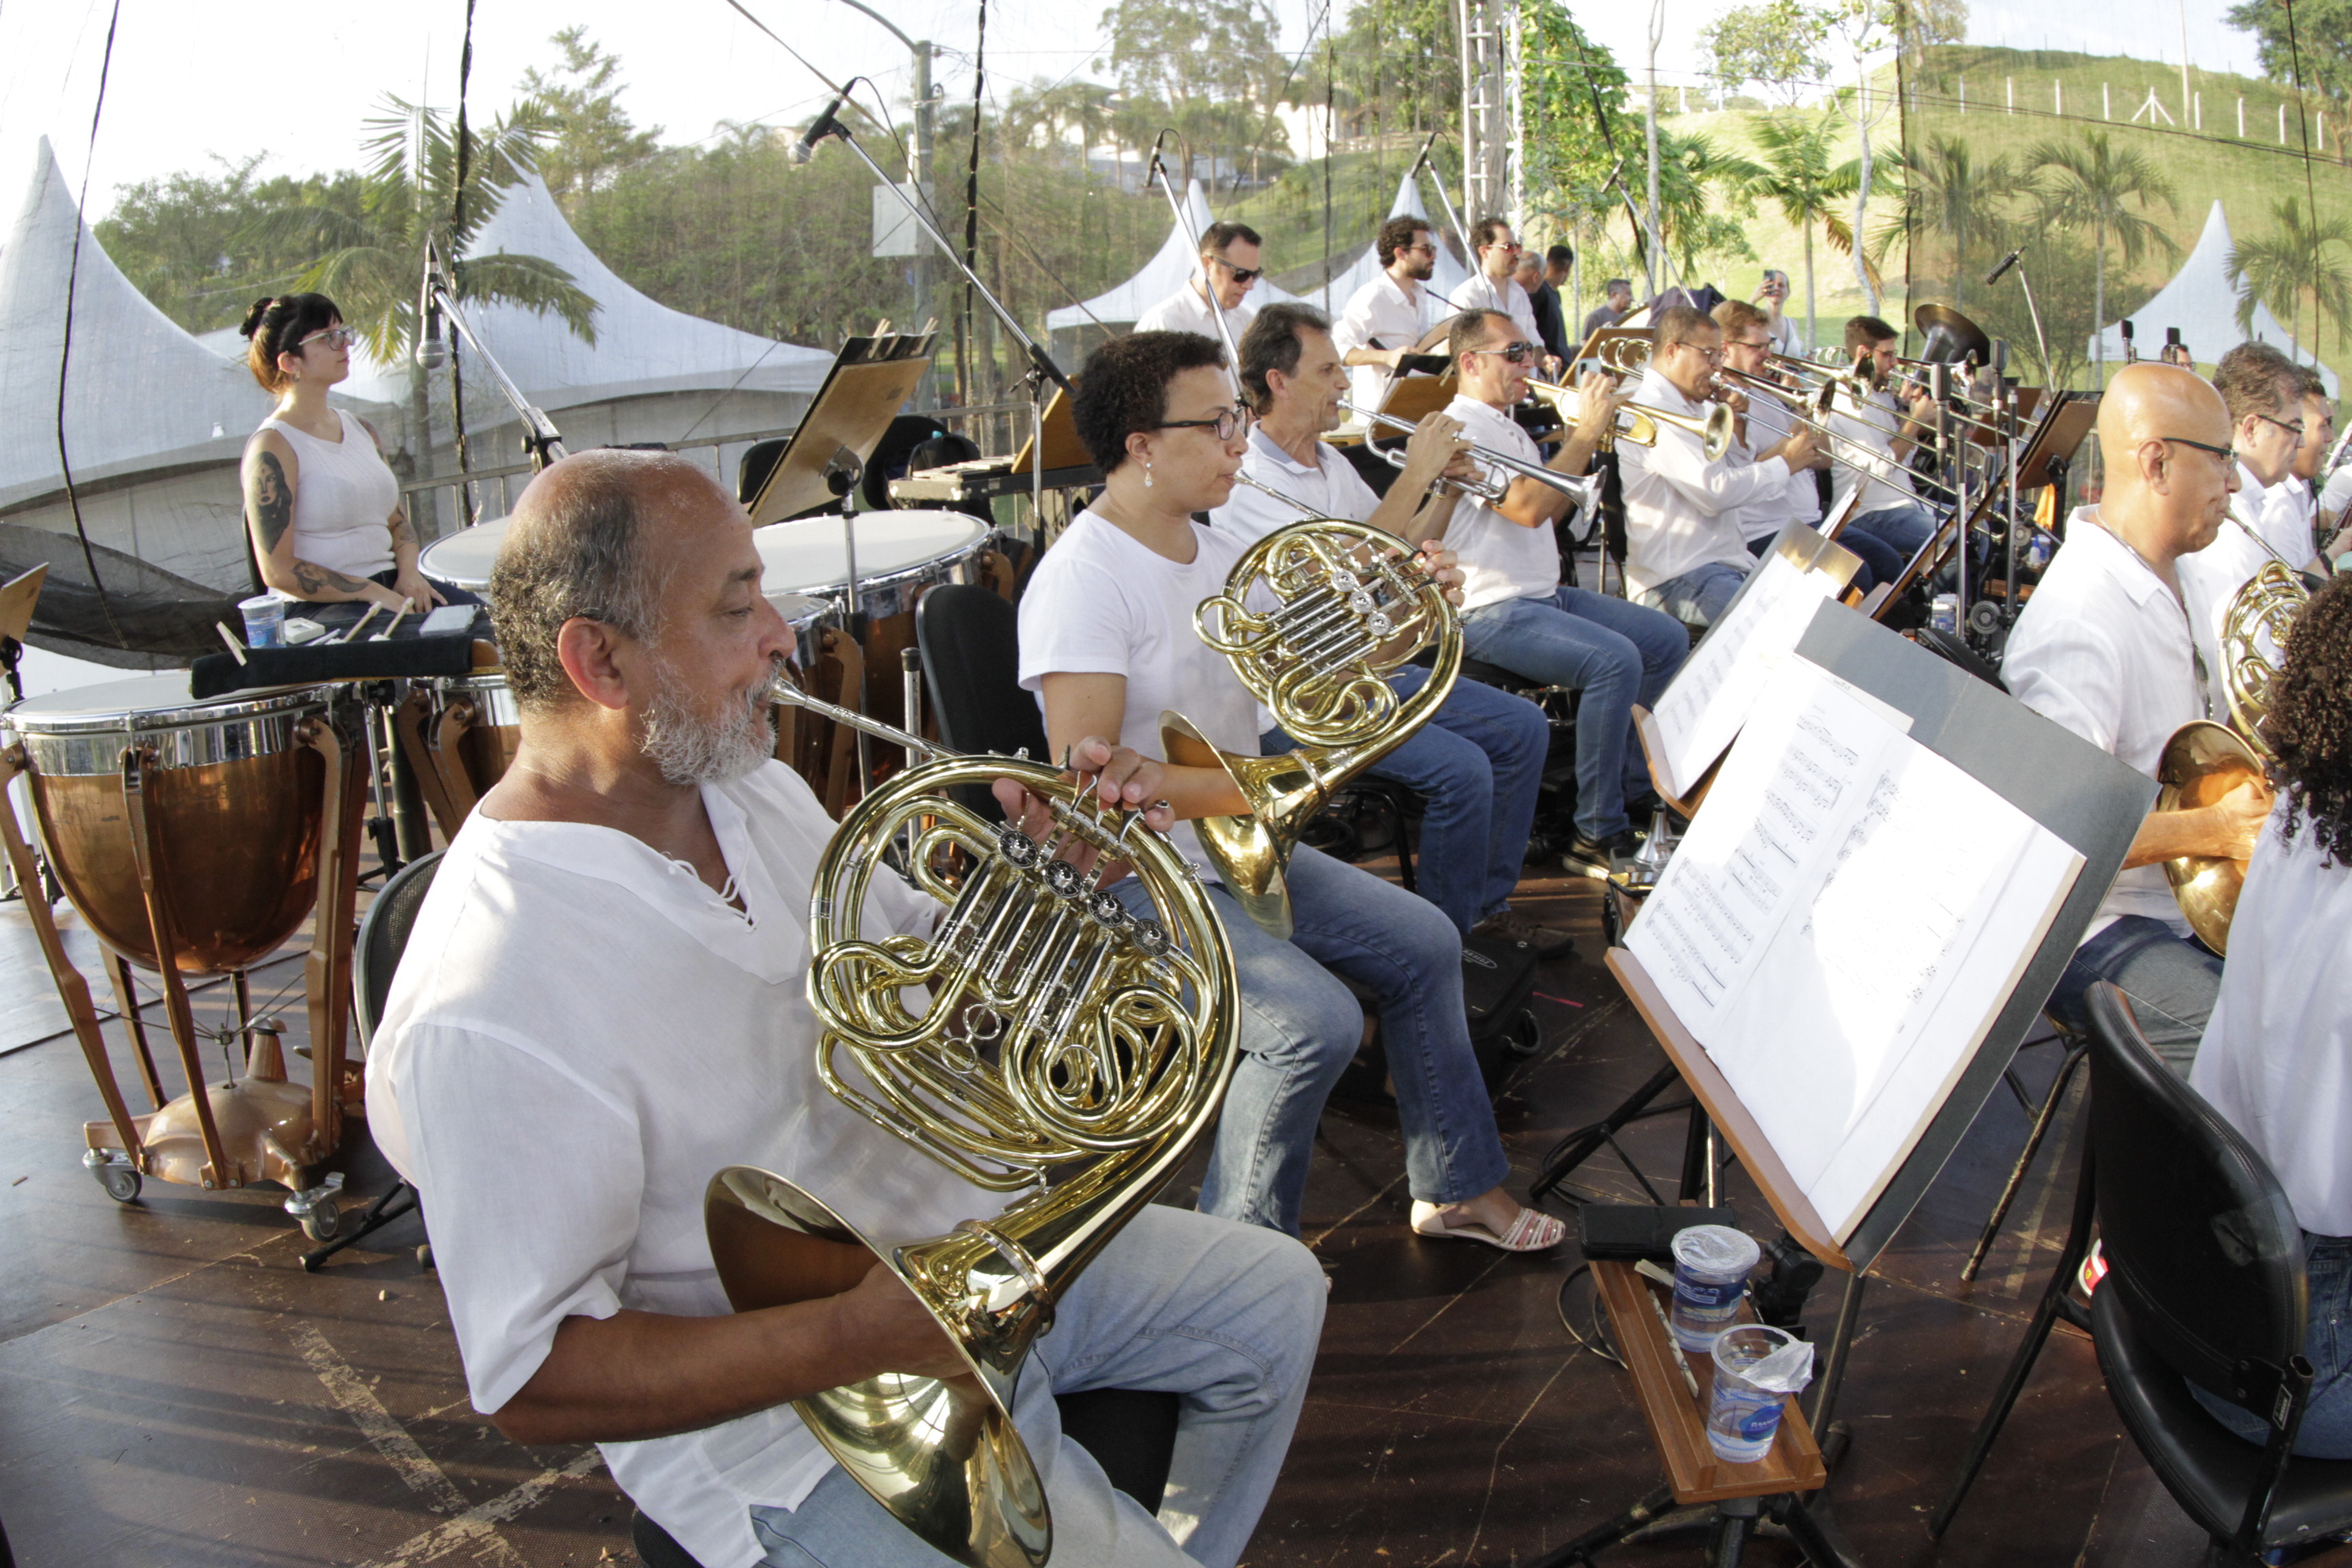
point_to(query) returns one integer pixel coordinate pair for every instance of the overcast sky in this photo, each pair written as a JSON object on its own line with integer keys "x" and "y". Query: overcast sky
{"x": 237, "y": 76}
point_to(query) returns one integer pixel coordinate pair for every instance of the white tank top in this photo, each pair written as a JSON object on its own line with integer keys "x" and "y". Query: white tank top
{"x": 343, "y": 497}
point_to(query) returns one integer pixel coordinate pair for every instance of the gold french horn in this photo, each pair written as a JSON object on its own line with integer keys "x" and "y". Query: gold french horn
{"x": 1064, "y": 1049}
{"x": 1349, "y": 609}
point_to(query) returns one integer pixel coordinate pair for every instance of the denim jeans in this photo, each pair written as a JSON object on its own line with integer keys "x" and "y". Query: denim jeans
{"x": 1880, "y": 563}
{"x": 2326, "y": 1429}
{"x": 1300, "y": 1029}
{"x": 1224, "y": 1315}
{"x": 1613, "y": 654}
{"x": 1478, "y": 763}
{"x": 1905, "y": 527}
{"x": 1699, "y": 596}
{"x": 2171, "y": 981}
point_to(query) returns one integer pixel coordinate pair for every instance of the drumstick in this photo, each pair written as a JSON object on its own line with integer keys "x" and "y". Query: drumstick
{"x": 227, "y": 637}
{"x": 367, "y": 615}
{"x": 393, "y": 624}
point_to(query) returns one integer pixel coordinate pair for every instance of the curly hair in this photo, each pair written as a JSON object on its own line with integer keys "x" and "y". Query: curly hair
{"x": 276, "y": 326}
{"x": 1124, "y": 388}
{"x": 2309, "y": 725}
{"x": 1397, "y": 235}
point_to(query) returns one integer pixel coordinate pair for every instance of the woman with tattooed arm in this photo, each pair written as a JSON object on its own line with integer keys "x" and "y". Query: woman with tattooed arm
{"x": 326, "y": 514}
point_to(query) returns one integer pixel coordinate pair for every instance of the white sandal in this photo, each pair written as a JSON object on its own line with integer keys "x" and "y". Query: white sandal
{"x": 1531, "y": 1232}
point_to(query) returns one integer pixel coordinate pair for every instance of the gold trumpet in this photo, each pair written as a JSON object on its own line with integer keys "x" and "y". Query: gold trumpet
{"x": 2204, "y": 760}
{"x": 1349, "y": 611}
{"x": 1061, "y": 1037}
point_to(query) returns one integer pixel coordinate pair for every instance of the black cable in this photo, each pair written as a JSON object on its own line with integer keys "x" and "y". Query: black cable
{"x": 456, "y": 265}
{"x": 971, "y": 209}
{"x": 2310, "y": 196}
{"x": 65, "y": 350}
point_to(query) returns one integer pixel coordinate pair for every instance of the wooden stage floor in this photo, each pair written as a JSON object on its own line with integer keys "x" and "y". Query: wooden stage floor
{"x": 176, "y": 1391}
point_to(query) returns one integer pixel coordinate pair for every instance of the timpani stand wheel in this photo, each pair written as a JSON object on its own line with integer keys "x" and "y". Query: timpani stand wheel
{"x": 324, "y": 1221}
{"x": 121, "y": 1182}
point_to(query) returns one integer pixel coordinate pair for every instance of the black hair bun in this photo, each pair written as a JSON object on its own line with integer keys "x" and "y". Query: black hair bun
{"x": 253, "y": 316}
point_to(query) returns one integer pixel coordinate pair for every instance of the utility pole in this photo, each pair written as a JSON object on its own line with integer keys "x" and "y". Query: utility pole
{"x": 1486, "y": 140}
{"x": 1649, "y": 251}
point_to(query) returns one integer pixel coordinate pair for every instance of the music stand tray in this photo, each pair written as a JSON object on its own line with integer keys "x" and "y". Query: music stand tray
{"x": 870, "y": 382}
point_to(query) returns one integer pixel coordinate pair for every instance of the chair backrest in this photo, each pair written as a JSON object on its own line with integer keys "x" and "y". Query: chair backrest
{"x": 758, "y": 461}
{"x": 969, "y": 637}
{"x": 383, "y": 935}
{"x": 2202, "y": 1244}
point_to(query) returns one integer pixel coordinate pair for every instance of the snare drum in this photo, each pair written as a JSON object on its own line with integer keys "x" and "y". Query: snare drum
{"x": 234, "y": 796}
{"x": 464, "y": 560}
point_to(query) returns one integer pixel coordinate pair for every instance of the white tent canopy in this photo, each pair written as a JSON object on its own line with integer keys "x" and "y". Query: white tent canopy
{"x": 1448, "y": 277}
{"x": 1170, "y": 268}
{"x": 2202, "y": 303}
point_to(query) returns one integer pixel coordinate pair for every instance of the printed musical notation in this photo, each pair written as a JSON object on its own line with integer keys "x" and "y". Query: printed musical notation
{"x": 1718, "y": 684}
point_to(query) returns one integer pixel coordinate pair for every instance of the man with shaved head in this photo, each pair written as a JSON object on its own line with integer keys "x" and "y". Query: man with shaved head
{"x": 2104, "y": 647}
{"x": 603, "y": 1003}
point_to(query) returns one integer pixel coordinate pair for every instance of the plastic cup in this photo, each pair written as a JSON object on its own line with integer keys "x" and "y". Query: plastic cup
{"x": 1711, "y": 1265}
{"x": 265, "y": 621}
{"x": 1740, "y": 1416}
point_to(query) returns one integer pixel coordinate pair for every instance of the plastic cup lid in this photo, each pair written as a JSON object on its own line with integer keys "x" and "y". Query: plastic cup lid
{"x": 1716, "y": 1250}
{"x": 260, "y": 602}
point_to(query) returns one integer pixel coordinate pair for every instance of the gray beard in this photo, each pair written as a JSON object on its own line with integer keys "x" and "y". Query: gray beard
{"x": 689, "y": 749}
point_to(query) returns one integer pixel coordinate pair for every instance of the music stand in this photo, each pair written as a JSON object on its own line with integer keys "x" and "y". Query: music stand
{"x": 17, "y": 597}
{"x": 1062, "y": 447}
{"x": 871, "y": 379}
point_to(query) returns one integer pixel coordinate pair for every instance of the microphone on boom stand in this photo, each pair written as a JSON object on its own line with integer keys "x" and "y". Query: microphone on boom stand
{"x": 429, "y": 351}
{"x": 823, "y": 126}
{"x": 2005, "y": 263}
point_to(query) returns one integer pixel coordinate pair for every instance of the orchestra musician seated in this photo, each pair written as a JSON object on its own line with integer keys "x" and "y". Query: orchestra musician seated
{"x": 1394, "y": 310}
{"x": 1479, "y": 763}
{"x": 1108, "y": 643}
{"x": 1518, "y": 616}
{"x": 2103, "y": 648}
{"x": 1884, "y": 426}
{"x": 2274, "y": 1055}
{"x": 1686, "y": 553}
{"x": 605, "y": 1004}
{"x": 1229, "y": 267}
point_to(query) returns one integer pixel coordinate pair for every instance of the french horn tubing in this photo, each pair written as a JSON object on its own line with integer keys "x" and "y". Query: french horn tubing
{"x": 1041, "y": 1040}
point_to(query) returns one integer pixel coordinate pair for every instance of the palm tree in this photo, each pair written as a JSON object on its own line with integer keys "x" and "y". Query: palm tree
{"x": 1945, "y": 190}
{"x": 2295, "y": 256}
{"x": 1793, "y": 172}
{"x": 1695, "y": 176}
{"x": 2087, "y": 184}
{"x": 370, "y": 255}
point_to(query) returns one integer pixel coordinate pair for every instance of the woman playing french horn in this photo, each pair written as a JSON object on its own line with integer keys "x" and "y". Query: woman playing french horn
{"x": 1108, "y": 641}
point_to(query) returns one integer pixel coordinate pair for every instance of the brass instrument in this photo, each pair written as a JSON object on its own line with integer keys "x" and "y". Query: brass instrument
{"x": 2204, "y": 760}
{"x": 1715, "y": 430}
{"x": 1350, "y": 610}
{"x": 1062, "y": 1038}
{"x": 1487, "y": 487}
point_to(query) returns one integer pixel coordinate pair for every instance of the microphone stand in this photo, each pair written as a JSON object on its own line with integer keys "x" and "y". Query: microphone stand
{"x": 841, "y": 472}
{"x": 1042, "y": 368}
{"x": 1437, "y": 181}
{"x": 540, "y": 439}
{"x": 1208, "y": 283}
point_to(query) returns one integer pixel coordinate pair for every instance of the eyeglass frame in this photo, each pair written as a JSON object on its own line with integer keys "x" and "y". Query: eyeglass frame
{"x": 2228, "y": 454}
{"x": 1241, "y": 419}
{"x": 1241, "y": 274}
{"x": 1518, "y": 351}
{"x": 349, "y": 335}
{"x": 2298, "y": 430}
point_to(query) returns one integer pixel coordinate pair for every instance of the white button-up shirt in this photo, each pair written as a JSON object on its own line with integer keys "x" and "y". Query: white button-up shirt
{"x": 2276, "y": 1060}
{"x": 1188, "y": 310}
{"x": 2279, "y": 514}
{"x": 2209, "y": 580}
{"x": 581, "y": 1035}
{"x": 1331, "y": 489}
{"x": 1482, "y": 293}
{"x": 1681, "y": 512}
{"x": 1768, "y": 423}
{"x": 1870, "y": 427}
{"x": 1499, "y": 559}
{"x": 1383, "y": 315}
{"x": 2103, "y": 649}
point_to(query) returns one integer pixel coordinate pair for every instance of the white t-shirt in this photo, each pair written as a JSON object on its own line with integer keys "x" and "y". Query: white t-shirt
{"x": 2103, "y": 649}
{"x": 1382, "y": 315}
{"x": 581, "y": 1035}
{"x": 1682, "y": 512}
{"x": 1332, "y": 489}
{"x": 2276, "y": 1060}
{"x": 344, "y": 497}
{"x": 1500, "y": 559}
{"x": 1101, "y": 602}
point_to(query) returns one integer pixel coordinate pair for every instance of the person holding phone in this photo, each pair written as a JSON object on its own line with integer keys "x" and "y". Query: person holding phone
{"x": 1772, "y": 299}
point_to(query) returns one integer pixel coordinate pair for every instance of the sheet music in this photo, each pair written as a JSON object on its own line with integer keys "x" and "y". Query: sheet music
{"x": 1841, "y": 927}
{"x": 1717, "y": 687}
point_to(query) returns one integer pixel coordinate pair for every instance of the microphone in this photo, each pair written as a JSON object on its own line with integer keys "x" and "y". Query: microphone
{"x": 823, "y": 126}
{"x": 2006, "y": 262}
{"x": 429, "y": 351}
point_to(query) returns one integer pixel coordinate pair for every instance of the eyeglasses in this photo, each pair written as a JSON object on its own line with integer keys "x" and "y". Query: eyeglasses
{"x": 1712, "y": 356}
{"x": 1513, "y": 246}
{"x": 1423, "y": 248}
{"x": 1241, "y": 274}
{"x": 2226, "y": 456}
{"x": 1518, "y": 354}
{"x": 1227, "y": 424}
{"x": 2295, "y": 429}
{"x": 333, "y": 337}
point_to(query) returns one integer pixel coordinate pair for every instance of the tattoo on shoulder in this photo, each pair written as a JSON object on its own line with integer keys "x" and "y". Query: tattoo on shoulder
{"x": 270, "y": 500}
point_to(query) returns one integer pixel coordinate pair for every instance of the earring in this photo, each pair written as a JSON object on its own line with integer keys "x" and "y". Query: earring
{"x": 1147, "y": 473}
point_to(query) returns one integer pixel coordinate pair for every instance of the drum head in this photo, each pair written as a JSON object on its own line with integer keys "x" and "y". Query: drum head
{"x": 800, "y": 611}
{"x": 808, "y": 554}
{"x": 143, "y": 702}
{"x": 464, "y": 558}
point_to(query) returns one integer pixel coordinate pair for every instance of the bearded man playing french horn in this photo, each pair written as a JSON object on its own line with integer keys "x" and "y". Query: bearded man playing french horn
{"x": 603, "y": 1001}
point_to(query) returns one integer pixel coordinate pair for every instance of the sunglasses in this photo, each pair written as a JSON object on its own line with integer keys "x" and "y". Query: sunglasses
{"x": 1518, "y": 354}
{"x": 333, "y": 337}
{"x": 1225, "y": 425}
{"x": 1241, "y": 274}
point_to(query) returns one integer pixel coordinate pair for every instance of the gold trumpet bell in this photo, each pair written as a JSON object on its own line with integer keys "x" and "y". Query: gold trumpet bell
{"x": 2201, "y": 762}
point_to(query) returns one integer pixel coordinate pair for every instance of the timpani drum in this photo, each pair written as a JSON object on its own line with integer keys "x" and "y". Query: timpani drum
{"x": 464, "y": 558}
{"x": 234, "y": 793}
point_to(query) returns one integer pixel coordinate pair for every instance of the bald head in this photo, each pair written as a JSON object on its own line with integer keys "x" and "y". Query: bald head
{"x": 2164, "y": 433}
{"x": 597, "y": 535}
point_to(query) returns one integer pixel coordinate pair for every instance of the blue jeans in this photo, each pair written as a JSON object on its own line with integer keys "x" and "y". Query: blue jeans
{"x": 1879, "y": 562}
{"x": 1699, "y": 596}
{"x": 1224, "y": 1315}
{"x": 1612, "y": 653}
{"x": 2172, "y": 984}
{"x": 1903, "y": 528}
{"x": 1300, "y": 1029}
{"x": 1478, "y": 763}
{"x": 2326, "y": 1429}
